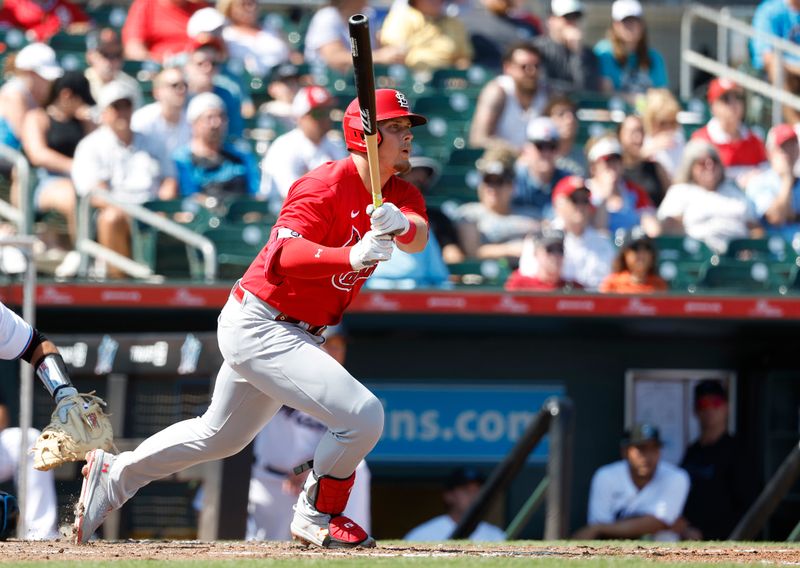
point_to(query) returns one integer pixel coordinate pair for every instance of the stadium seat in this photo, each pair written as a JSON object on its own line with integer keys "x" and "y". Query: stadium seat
{"x": 680, "y": 275}
{"x": 250, "y": 210}
{"x": 769, "y": 249}
{"x": 464, "y": 157}
{"x": 487, "y": 272}
{"x": 165, "y": 254}
{"x": 458, "y": 185}
{"x": 237, "y": 245}
{"x": 724, "y": 274}
{"x": 682, "y": 248}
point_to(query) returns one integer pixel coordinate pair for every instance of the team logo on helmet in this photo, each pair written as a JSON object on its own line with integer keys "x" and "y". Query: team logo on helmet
{"x": 401, "y": 99}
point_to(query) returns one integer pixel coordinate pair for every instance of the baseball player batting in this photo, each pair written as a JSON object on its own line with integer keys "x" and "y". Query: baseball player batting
{"x": 323, "y": 247}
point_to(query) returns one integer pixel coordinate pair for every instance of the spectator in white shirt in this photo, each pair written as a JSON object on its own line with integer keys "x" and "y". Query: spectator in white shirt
{"x": 164, "y": 121}
{"x": 461, "y": 489}
{"x": 703, "y": 204}
{"x": 124, "y": 163}
{"x": 639, "y": 495}
{"x": 305, "y": 147}
{"x": 257, "y": 48}
{"x": 588, "y": 253}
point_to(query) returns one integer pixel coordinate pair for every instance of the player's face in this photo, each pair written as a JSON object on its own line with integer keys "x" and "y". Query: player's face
{"x": 643, "y": 459}
{"x": 395, "y": 149}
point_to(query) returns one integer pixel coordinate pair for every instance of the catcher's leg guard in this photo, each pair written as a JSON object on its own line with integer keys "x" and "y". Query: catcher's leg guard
{"x": 318, "y": 515}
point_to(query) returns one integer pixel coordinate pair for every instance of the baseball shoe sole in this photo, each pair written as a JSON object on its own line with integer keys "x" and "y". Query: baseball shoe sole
{"x": 339, "y": 532}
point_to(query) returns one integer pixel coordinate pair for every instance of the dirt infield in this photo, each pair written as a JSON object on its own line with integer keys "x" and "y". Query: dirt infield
{"x": 15, "y": 551}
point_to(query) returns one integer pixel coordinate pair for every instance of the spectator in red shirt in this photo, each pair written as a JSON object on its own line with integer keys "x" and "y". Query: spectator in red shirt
{"x": 42, "y": 19}
{"x": 741, "y": 151}
{"x": 156, "y": 29}
{"x": 549, "y": 252}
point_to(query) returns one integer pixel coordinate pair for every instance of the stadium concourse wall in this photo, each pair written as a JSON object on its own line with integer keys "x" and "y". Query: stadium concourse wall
{"x": 459, "y": 372}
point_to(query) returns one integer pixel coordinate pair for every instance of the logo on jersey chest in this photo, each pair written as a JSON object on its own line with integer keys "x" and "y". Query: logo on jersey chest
{"x": 347, "y": 280}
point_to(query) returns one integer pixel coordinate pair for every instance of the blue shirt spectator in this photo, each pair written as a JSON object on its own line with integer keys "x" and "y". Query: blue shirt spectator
{"x": 626, "y": 61}
{"x": 209, "y": 165}
{"x": 776, "y": 17}
{"x": 405, "y": 271}
{"x": 535, "y": 173}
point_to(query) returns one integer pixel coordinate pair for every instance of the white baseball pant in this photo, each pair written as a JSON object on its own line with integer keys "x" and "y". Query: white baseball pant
{"x": 267, "y": 364}
{"x": 41, "y": 513}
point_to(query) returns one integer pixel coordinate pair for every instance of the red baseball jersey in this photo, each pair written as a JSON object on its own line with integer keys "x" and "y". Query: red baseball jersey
{"x": 746, "y": 151}
{"x": 326, "y": 206}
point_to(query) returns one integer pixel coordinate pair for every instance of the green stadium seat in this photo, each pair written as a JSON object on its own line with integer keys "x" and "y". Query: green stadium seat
{"x": 682, "y": 248}
{"x": 470, "y": 80}
{"x": 458, "y": 185}
{"x": 772, "y": 248}
{"x": 165, "y": 254}
{"x": 237, "y": 245}
{"x": 466, "y": 156}
{"x": 486, "y": 272}
{"x": 456, "y": 106}
{"x": 680, "y": 275}
{"x": 250, "y": 210}
{"x": 724, "y": 274}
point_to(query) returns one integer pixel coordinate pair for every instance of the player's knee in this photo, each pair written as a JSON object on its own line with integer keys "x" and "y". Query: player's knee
{"x": 370, "y": 419}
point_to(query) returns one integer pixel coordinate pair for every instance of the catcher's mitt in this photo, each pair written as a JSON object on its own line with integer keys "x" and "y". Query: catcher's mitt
{"x": 77, "y": 425}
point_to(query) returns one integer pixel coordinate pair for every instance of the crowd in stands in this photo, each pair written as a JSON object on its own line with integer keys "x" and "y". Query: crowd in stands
{"x": 173, "y": 105}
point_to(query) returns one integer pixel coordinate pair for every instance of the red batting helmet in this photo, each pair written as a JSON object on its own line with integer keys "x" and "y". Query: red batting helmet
{"x": 389, "y": 103}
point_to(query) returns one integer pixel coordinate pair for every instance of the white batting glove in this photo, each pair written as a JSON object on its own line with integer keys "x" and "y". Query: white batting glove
{"x": 370, "y": 250}
{"x": 388, "y": 220}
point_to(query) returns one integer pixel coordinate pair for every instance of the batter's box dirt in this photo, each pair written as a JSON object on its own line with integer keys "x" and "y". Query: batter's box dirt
{"x": 782, "y": 554}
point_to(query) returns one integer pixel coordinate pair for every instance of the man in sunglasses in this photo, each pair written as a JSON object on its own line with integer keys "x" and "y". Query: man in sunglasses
{"x": 308, "y": 145}
{"x": 721, "y": 473}
{"x": 165, "y": 119}
{"x": 104, "y": 56}
{"x": 741, "y": 151}
{"x": 549, "y": 252}
{"x": 536, "y": 171}
{"x": 569, "y": 64}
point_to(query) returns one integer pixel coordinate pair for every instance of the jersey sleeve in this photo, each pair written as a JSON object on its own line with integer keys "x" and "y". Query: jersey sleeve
{"x": 673, "y": 497}
{"x": 15, "y": 334}
{"x": 408, "y": 199}
{"x": 600, "y": 507}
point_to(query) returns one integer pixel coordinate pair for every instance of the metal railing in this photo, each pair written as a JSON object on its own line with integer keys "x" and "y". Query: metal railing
{"x": 21, "y": 217}
{"x": 91, "y": 248}
{"x": 556, "y": 417}
{"x": 725, "y": 24}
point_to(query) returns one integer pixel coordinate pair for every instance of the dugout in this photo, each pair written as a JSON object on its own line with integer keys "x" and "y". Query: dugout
{"x": 584, "y": 345}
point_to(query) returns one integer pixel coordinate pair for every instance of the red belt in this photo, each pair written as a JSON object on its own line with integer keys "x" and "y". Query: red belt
{"x": 238, "y": 295}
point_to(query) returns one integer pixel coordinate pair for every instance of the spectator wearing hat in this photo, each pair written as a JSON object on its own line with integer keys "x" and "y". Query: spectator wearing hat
{"x": 494, "y": 26}
{"x": 779, "y": 18}
{"x": 741, "y": 151}
{"x": 41, "y": 20}
{"x": 125, "y": 164}
{"x": 620, "y": 204}
{"x": 627, "y": 62}
{"x": 424, "y": 173}
{"x": 303, "y": 148}
{"x": 34, "y": 70}
{"x": 429, "y": 37}
{"x": 157, "y": 29}
{"x": 50, "y": 136}
{"x": 203, "y": 75}
{"x": 327, "y": 40}
{"x": 549, "y": 252}
{"x": 588, "y": 253}
{"x": 510, "y": 100}
{"x": 492, "y": 227}
{"x": 775, "y": 192}
{"x": 104, "y": 55}
{"x": 703, "y": 204}
{"x": 639, "y": 496}
{"x": 568, "y": 63}
{"x": 283, "y": 85}
{"x": 209, "y": 168}
{"x": 165, "y": 119}
{"x": 637, "y": 167}
{"x": 570, "y": 157}
{"x": 536, "y": 173}
{"x": 289, "y": 439}
{"x": 258, "y": 48}
{"x": 461, "y": 488}
{"x": 723, "y": 485}
{"x": 635, "y": 270}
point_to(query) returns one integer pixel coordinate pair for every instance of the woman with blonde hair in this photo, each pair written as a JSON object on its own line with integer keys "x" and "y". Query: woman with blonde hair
{"x": 664, "y": 138}
{"x": 627, "y": 63}
{"x": 259, "y": 48}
